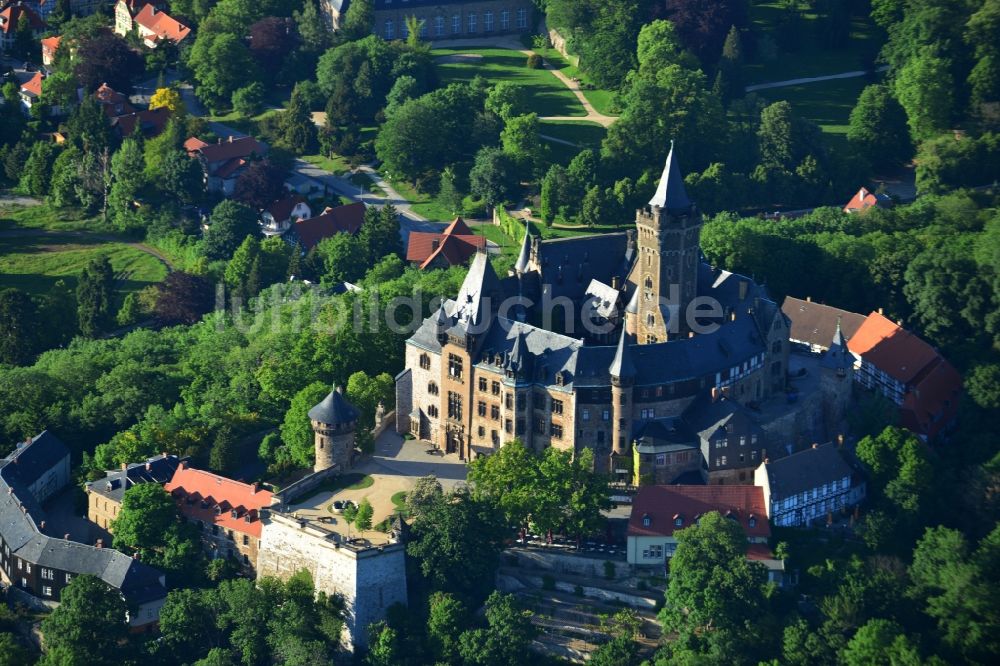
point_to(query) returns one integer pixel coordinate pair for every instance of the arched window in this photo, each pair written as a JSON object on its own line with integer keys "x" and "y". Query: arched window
{"x": 650, "y": 320}
{"x": 432, "y": 388}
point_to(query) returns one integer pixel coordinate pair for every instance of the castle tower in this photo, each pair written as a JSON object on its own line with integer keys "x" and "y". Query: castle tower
{"x": 669, "y": 230}
{"x": 622, "y": 372}
{"x": 836, "y": 379}
{"x": 333, "y": 422}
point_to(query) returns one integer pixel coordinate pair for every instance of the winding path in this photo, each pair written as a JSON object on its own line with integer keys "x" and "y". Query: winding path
{"x": 812, "y": 79}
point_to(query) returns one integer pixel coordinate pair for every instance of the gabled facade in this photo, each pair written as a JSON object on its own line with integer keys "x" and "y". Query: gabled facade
{"x": 453, "y": 246}
{"x": 279, "y": 217}
{"x": 49, "y": 47}
{"x": 224, "y": 161}
{"x": 813, "y": 324}
{"x": 864, "y": 199}
{"x": 104, "y": 496}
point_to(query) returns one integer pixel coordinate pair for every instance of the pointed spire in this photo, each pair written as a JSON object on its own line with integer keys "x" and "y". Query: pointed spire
{"x": 633, "y": 303}
{"x": 622, "y": 366}
{"x": 521, "y": 266}
{"x": 520, "y": 356}
{"x": 837, "y": 357}
{"x": 670, "y": 193}
{"x": 838, "y": 335}
{"x": 442, "y": 322}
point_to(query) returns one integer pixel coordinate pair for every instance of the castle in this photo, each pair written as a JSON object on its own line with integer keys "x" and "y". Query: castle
{"x": 628, "y": 344}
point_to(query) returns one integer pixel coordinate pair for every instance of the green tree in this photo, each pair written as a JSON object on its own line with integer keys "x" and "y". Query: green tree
{"x": 404, "y": 89}
{"x": 231, "y": 223}
{"x": 37, "y": 170}
{"x": 506, "y": 639}
{"x": 93, "y": 296}
{"x": 238, "y": 268}
{"x": 296, "y": 431}
{"x": 715, "y": 596}
{"x": 359, "y": 20}
{"x": 520, "y": 141}
{"x": 555, "y": 193}
{"x": 249, "y": 100}
{"x": 446, "y": 619}
{"x": 343, "y": 258}
{"x": 592, "y": 208}
{"x": 924, "y": 89}
{"x": 426, "y": 492}
{"x": 367, "y": 393}
{"x": 89, "y": 626}
{"x": 181, "y": 178}
{"x": 225, "y": 455}
{"x": 221, "y": 65}
{"x": 880, "y": 643}
{"x": 383, "y": 646}
{"x": 12, "y": 653}
{"x": 878, "y": 129}
{"x": 731, "y": 66}
{"x": 493, "y": 176}
{"x": 296, "y": 128}
{"x": 379, "y": 235}
{"x": 25, "y": 46}
{"x": 66, "y": 181}
{"x": 982, "y": 384}
{"x": 147, "y": 515}
{"x": 363, "y": 519}
{"x": 127, "y": 181}
{"x": 449, "y": 193}
{"x": 19, "y": 325}
{"x": 157, "y": 149}
{"x": 508, "y": 100}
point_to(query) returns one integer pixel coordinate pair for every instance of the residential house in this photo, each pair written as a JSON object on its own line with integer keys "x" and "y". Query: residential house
{"x": 865, "y": 199}
{"x": 113, "y": 102}
{"x": 31, "y": 91}
{"x": 667, "y": 451}
{"x": 908, "y": 371}
{"x": 149, "y": 122}
{"x": 38, "y": 566}
{"x": 731, "y": 440}
{"x": 152, "y": 24}
{"x": 451, "y": 247}
{"x": 10, "y": 17}
{"x": 104, "y": 496}
{"x": 814, "y": 324}
{"x": 808, "y": 486}
{"x": 340, "y": 219}
{"x": 660, "y": 512}
{"x": 278, "y": 218}
{"x": 224, "y": 161}
{"x": 227, "y": 512}
{"x": 49, "y": 47}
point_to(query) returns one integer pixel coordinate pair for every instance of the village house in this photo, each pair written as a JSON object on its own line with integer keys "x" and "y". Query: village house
{"x": 278, "y": 218}
{"x": 808, "y": 486}
{"x": 865, "y": 199}
{"x": 223, "y": 162}
{"x": 38, "y": 566}
{"x": 49, "y": 47}
{"x": 11, "y": 14}
{"x": 104, "y": 496}
{"x": 30, "y": 91}
{"x": 227, "y": 512}
{"x": 660, "y": 512}
{"x": 451, "y": 247}
{"x": 813, "y": 324}
{"x": 152, "y": 24}
{"x": 148, "y": 122}
{"x": 332, "y": 221}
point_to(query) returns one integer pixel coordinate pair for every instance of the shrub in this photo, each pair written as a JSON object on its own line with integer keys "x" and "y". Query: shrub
{"x": 534, "y": 61}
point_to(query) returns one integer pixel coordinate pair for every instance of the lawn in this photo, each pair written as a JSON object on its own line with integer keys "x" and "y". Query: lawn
{"x": 35, "y": 264}
{"x": 812, "y": 59}
{"x": 583, "y": 133}
{"x": 826, "y": 103}
{"x": 337, "y": 165}
{"x": 603, "y": 101}
{"x": 51, "y": 219}
{"x": 549, "y": 97}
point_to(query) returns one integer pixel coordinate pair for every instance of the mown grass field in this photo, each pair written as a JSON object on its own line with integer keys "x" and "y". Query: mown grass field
{"x": 826, "y": 103}
{"x": 549, "y": 97}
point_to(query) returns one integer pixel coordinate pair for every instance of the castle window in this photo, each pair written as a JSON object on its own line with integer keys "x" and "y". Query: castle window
{"x": 481, "y": 408}
{"x": 723, "y": 460}
{"x": 753, "y": 455}
{"x": 585, "y": 415}
{"x": 482, "y": 431}
{"x": 557, "y": 431}
{"x": 456, "y": 23}
{"x": 495, "y": 388}
{"x": 720, "y": 443}
{"x": 454, "y": 406}
{"x": 482, "y": 384}
{"x": 473, "y": 19}
{"x": 557, "y": 407}
{"x": 425, "y": 361}
{"x": 390, "y": 31}
{"x": 455, "y": 366}
{"x": 776, "y": 347}
{"x": 505, "y": 19}
{"x": 743, "y": 440}
{"x": 488, "y": 21}
{"x": 540, "y": 426}
{"x": 433, "y": 389}
{"x": 438, "y": 26}
{"x": 649, "y": 282}
{"x": 495, "y": 412}
{"x": 646, "y": 520}
{"x": 46, "y": 591}
{"x": 69, "y": 577}
{"x": 432, "y": 411}
{"x": 678, "y": 520}
{"x": 605, "y": 415}
{"x": 522, "y": 18}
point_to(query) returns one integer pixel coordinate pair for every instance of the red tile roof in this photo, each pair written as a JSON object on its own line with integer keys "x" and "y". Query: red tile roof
{"x": 227, "y": 149}
{"x": 34, "y": 84}
{"x": 162, "y": 25}
{"x": 151, "y": 122}
{"x": 194, "y": 144}
{"x": 11, "y": 16}
{"x": 207, "y": 491}
{"x": 51, "y": 44}
{"x": 331, "y": 221}
{"x": 455, "y": 245}
{"x": 759, "y": 551}
{"x": 865, "y": 199}
{"x": 114, "y": 102}
{"x": 664, "y": 505}
{"x": 891, "y": 349}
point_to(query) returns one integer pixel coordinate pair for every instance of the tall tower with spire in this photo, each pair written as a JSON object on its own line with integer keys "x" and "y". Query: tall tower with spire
{"x": 622, "y": 372}
{"x": 333, "y": 422}
{"x": 836, "y": 380}
{"x": 669, "y": 230}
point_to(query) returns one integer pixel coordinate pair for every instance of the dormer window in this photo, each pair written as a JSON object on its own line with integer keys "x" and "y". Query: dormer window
{"x": 560, "y": 379}
{"x": 678, "y": 520}
{"x": 646, "y": 520}
{"x": 752, "y": 522}
{"x": 218, "y": 510}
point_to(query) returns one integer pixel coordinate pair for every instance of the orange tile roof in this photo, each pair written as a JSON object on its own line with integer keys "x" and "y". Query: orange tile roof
{"x": 227, "y": 149}
{"x": 891, "y": 349}
{"x": 456, "y": 243}
{"x": 665, "y": 504}
{"x": 194, "y": 144}
{"x": 34, "y": 84}
{"x": 865, "y": 199}
{"x": 51, "y": 43}
{"x": 331, "y": 221}
{"x": 115, "y": 103}
{"x": 161, "y": 24}
{"x": 933, "y": 401}
{"x": 12, "y": 15}
{"x": 198, "y": 493}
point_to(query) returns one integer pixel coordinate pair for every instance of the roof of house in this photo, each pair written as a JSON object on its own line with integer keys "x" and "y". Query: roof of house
{"x": 865, "y": 199}
{"x": 455, "y": 244}
{"x": 815, "y": 323}
{"x": 569, "y": 264}
{"x": 622, "y": 366}
{"x": 161, "y": 24}
{"x": 11, "y": 15}
{"x": 281, "y": 209}
{"x": 330, "y": 222}
{"x": 891, "y": 348}
{"x": 158, "y": 469}
{"x": 334, "y": 409}
{"x": 226, "y": 149}
{"x": 933, "y": 401}
{"x": 36, "y": 456}
{"x": 805, "y": 470}
{"x": 215, "y": 499}
{"x": 150, "y": 122}
{"x": 51, "y": 43}
{"x": 114, "y": 102}
{"x": 34, "y": 85}
{"x": 666, "y": 505}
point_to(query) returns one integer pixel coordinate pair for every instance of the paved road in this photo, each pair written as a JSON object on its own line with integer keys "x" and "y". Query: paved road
{"x": 812, "y": 79}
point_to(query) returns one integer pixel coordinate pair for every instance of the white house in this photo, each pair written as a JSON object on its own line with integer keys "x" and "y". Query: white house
{"x": 279, "y": 217}
{"x": 807, "y": 486}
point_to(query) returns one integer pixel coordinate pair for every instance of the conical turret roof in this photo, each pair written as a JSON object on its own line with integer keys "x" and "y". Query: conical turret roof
{"x": 334, "y": 409}
{"x": 837, "y": 357}
{"x": 670, "y": 192}
{"x": 622, "y": 367}
{"x": 521, "y": 266}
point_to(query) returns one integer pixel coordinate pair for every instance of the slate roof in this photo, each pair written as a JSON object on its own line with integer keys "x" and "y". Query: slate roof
{"x": 226, "y": 150}
{"x": 158, "y": 469}
{"x": 568, "y": 265}
{"x": 150, "y": 122}
{"x": 480, "y": 292}
{"x": 332, "y": 221}
{"x": 334, "y": 409}
{"x": 706, "y": 416}
{"x": 670, "y": 193}
{"x": 551, "y": 353}
{"x": 622, "y": 366}
{"x": 198, "y": 493}
{"x": 815, "y": 323}
{"x": 837, "y": 357}
{"x": 21, "y": 516}
{"x": 805, "y": 470}
{"x": 665, "y": 504}
{"x": 663, "y": 435}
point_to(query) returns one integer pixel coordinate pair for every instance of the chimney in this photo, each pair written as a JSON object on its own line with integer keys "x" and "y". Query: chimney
{"x": 744, "y": 286}
{"x": 880, "y": 311}
{"x": 767, "y": 461}
{"x": 124, "y": 466}
{"x": 99, "y": 543}
{"x": 614, "y": 282}
{"x": 149, "y": 466}
{"x": 66, "y": 536}
{"x": 815, "y": 445}
{"x": 809, "y": 299}
{"x": 230, "y": 138}
{"x": 435, "y": 244}
{"x": 182, "y": 464}
{"x": 163, "y": 454}
{"x": 840, "y": 439}
{"x": 41, "y": 526}
{"x": 254, "y": 487}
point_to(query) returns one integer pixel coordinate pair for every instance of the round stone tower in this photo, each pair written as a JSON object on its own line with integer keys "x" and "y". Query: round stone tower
{"x": 334, "y": 421}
